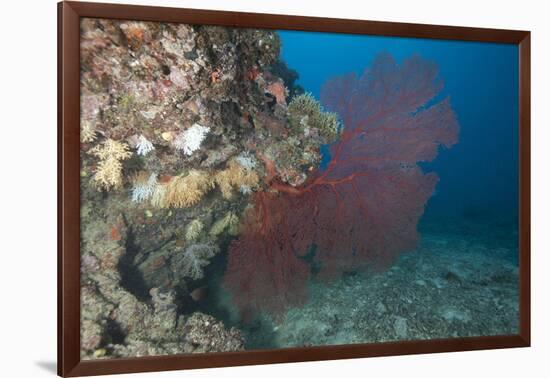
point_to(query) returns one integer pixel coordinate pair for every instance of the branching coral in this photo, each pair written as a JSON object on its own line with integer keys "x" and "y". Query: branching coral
{"x": 191, "y": 139}
{"x": 108, "y": 174}
{"x": 87, "y": 132}
{"x": 235, "y": 176}
{"x": 306, "y": 113}
{"x": 295, "y": 142}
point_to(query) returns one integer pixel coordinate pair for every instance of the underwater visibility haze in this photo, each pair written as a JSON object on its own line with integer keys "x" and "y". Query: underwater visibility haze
{"x": 246, "y": 189}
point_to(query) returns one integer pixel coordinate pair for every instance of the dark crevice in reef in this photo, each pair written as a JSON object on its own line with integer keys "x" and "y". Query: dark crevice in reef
{"x": 212, "y": 292}
{"x": 131, "y": 278}
{"x": 289, "y": 76}
{"x": 114, "y": 333}
{"x": 216, "y": 304}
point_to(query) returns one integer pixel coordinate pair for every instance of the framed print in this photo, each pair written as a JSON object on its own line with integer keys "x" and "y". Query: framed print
{"x": 240, "y": 188}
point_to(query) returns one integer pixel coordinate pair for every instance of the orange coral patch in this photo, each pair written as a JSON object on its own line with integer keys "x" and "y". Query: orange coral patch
{"x": 215, "y": 76}
{"x": 278, "y": 90}
{"x": 253, "y": 73}
{"x": 115, "y": 234}
{"x": 163, "y": 179}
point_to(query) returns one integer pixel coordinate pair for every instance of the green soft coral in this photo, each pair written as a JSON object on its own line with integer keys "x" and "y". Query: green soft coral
{"x": 306, "y": 113}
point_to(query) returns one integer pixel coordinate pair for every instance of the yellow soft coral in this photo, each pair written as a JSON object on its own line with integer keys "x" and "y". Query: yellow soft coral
{"x": 193, "y": 230}
{"x": 185, "y": 190}
{"x": 235, "y": 176}
{"x": 87, "y": 132}
{"x": 159, "y": 195}
{"x": 108, "y": 174}
{"x": 229, "y": 222}
{"x": 188, "y": 189}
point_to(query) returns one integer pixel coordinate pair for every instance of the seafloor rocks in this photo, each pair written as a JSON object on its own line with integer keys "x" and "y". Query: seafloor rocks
{"x": 203, "y": 333}
{"x": 415, "y": 299}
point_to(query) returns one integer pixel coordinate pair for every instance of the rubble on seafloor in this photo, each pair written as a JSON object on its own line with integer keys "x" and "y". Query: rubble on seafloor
{"x": 421, "y": 297}
{"x": 176, "y": 124}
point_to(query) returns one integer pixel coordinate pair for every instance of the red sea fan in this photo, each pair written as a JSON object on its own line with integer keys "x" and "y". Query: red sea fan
{"x": 264, "y": 270}
{"x": 362, "y": 210}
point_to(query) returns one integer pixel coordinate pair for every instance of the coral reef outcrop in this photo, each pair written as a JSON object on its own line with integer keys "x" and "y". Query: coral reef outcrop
{"x": 116, "y": 323}
{"x": 175, "y": 123}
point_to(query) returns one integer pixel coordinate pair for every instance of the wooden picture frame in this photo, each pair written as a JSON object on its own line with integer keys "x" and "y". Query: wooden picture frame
{"x": 69, "y": 15}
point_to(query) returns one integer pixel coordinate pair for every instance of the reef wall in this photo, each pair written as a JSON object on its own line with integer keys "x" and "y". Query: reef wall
{"x": 177, "y": 124}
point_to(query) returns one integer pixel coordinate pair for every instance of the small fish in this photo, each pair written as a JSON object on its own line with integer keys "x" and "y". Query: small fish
{"x": 199, "y": 293}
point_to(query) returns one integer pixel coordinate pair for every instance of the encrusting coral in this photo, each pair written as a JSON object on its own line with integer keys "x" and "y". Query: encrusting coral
{"x": 108, "y": 174}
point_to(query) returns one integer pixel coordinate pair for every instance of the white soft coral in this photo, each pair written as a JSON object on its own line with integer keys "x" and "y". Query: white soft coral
{"x": 144, "y": 190}
{"x": 195, "y": 258}
{"x": 246, "y": 160}
{"x": 144, "y": 146}
{"x": 245, "y": 189}
{"x": 191, "y": 139}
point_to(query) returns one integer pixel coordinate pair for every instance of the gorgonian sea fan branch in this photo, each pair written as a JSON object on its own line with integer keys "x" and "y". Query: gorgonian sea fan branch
{"x": 362, "y": 210}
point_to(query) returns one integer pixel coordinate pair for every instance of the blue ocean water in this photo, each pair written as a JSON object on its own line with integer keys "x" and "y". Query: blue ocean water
{"x": 479, "y": 175}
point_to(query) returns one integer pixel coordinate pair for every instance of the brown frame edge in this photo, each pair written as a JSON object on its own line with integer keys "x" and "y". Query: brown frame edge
{"x": 69, "y": 14}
